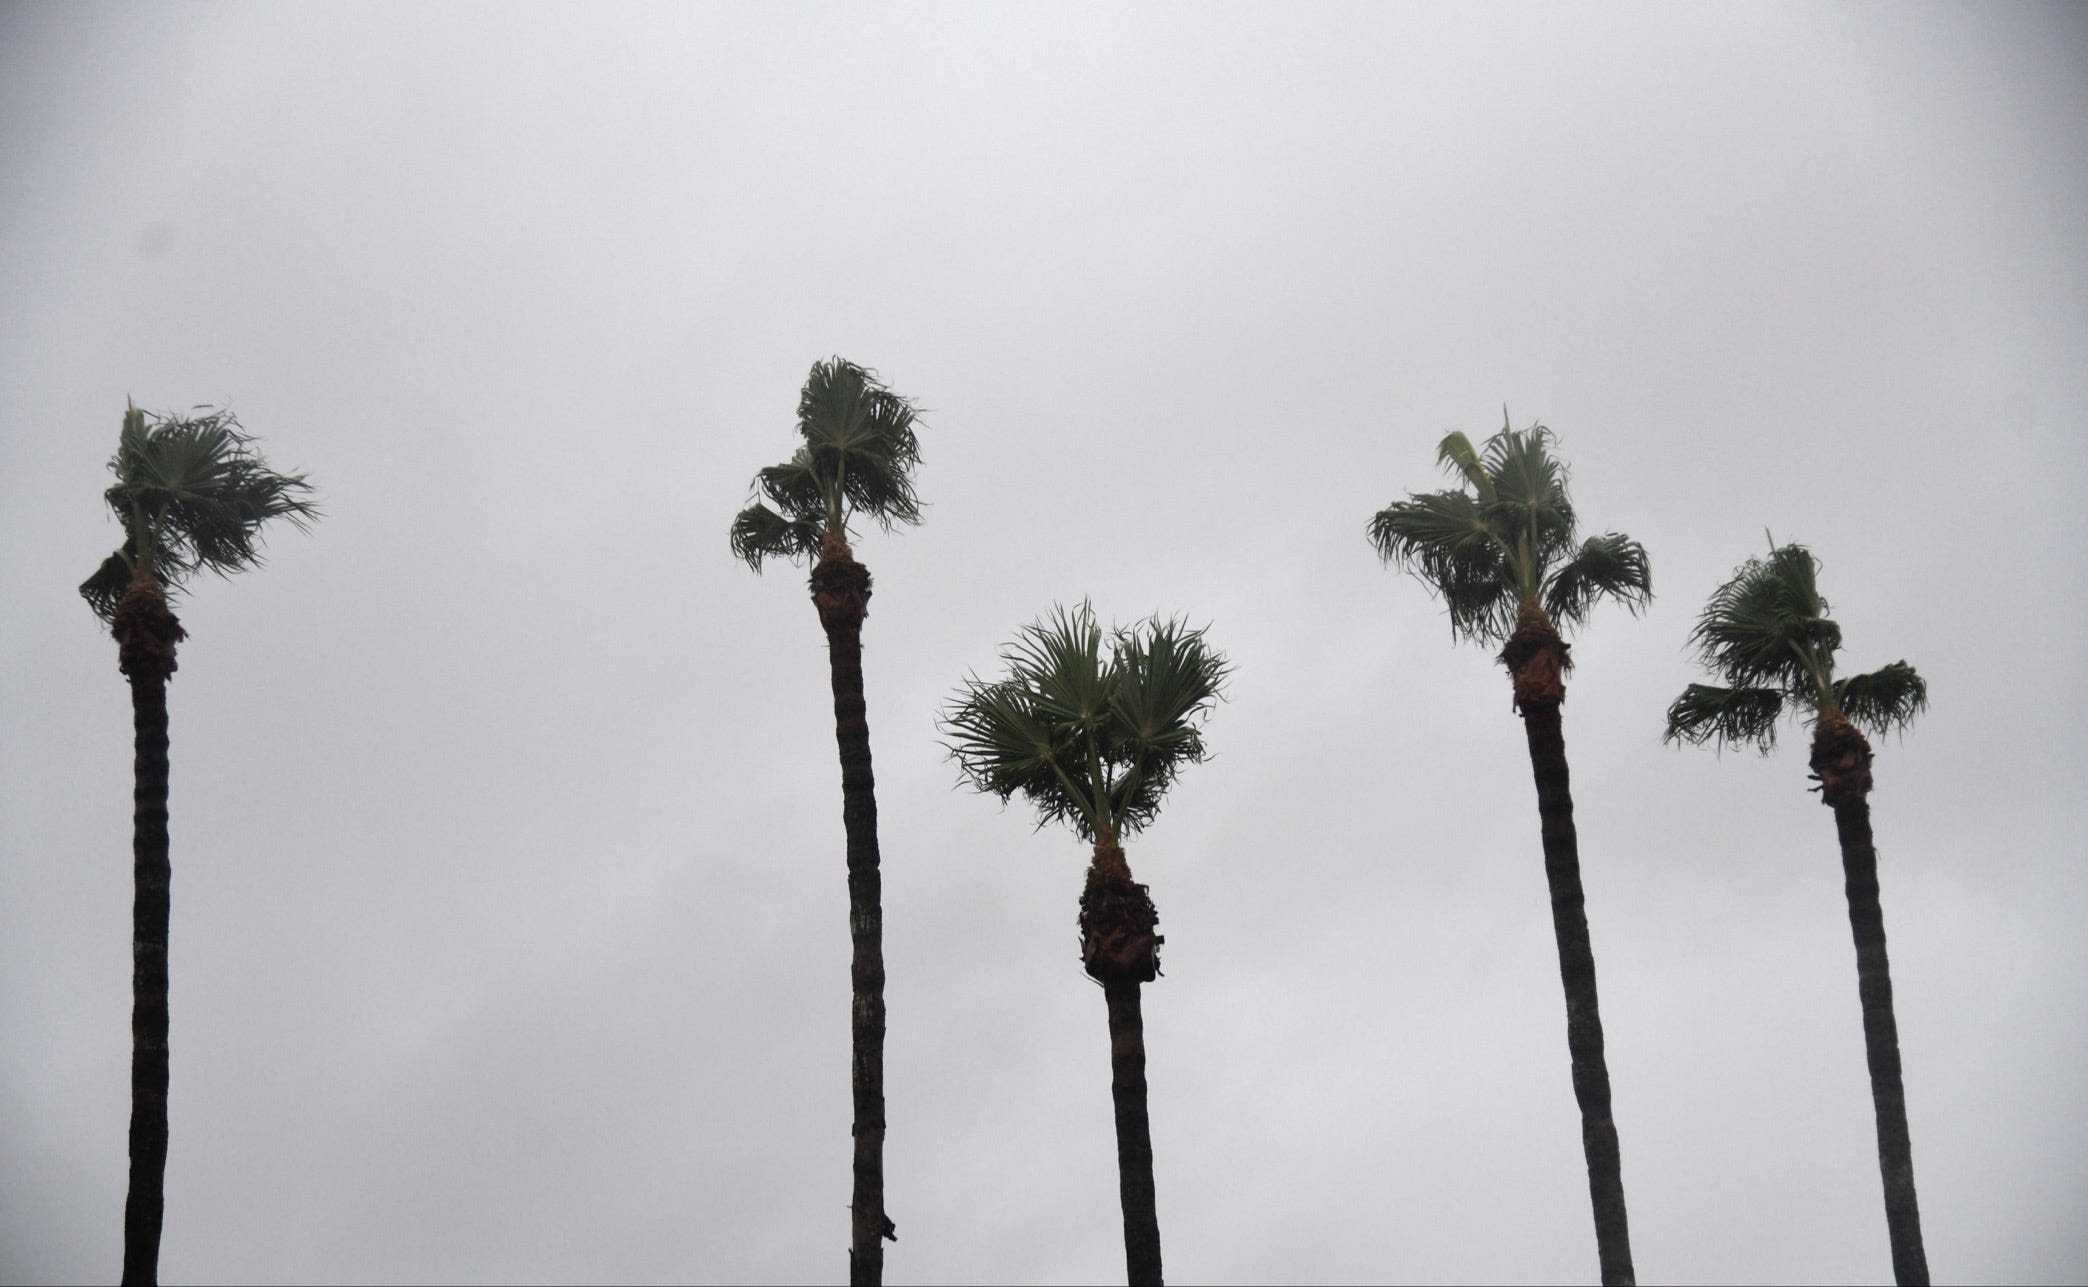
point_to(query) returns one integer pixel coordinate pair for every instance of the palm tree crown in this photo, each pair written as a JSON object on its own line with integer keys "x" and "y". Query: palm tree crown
{"x": 858, "y": 457}
{"x": 1504, "y": 540}
{"x": 191, "y": 493}
{"x": 1092, "y": 740}
{"x": 1766, "y": 632}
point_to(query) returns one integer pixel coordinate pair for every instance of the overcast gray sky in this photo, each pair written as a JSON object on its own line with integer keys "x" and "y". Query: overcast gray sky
{"x": 509, "y": 936}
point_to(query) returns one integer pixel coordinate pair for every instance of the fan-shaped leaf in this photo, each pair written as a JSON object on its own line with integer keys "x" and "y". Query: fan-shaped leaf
{"x": 1740, "y": 716}
{"x": 1885, "y": 699}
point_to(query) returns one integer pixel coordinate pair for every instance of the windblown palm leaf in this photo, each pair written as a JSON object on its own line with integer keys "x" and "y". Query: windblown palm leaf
{"x": 1767, "y": 634}
{"x": 857, "y": 457}
{"x": 1740, "y": 716}
{"x": 1887, "y": 698}
{"x": 191, "y": 493}
{"x": 1506, "y": 539}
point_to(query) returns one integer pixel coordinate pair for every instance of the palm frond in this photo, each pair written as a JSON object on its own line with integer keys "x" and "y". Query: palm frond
{"x": 1530, "y": 501}
{"x": 1767, "y": 626}
{"x": 759, "y": 533}
{"x": 1455, "y": 453}
{"x": 1737, "y": 716}
{"x": 793, "y": 487}
{"x": 1004, "y": 748}
{"x": 1444, "y": 538}
{"x": 105, "y": 589}
{"x": 1885, "y": 699}
{"x": 1610, "y": 566}
{"x": 1167, "y": 678}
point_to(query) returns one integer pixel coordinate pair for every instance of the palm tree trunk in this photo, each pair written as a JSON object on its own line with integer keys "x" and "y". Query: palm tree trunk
{"x": 1591, "y": 1085}
{"x": 1120, "y": 949}
{"x": 1841, "y": 760}
{"x": 841, "y": 591}
{"x": 146, "y": 634}
{"x": 1127, "y": 1087}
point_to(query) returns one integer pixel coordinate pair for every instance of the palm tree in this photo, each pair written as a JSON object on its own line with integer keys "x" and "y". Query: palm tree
{"x": 1094, "y": 741}
{"x": 1767, "y": 634}
{"x": 1501, "y": 553}
{"x": 191, "y": 493}
{"x": 856, "y": 459}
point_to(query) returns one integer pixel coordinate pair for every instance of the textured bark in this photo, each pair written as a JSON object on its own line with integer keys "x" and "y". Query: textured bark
{"x": 1843, "y": 768}
{"x": 1538, "y": 665}
{"x": 1127, "y": 1088}
{"x": 841, "y": 592}
{"x": 1120, "y": 950}
{"x": 146, "y": 635}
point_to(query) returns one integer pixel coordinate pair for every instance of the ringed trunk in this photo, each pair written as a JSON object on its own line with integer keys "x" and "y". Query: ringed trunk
{"x": 841, "y": 592}
{"x": 1841, "y": 759}
{"x": 1538, "y": 659}
{"x": 1120, "y": 950}
{"x": 146, "y": 635}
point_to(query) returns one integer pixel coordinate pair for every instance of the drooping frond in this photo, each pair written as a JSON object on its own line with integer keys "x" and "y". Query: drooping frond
{"x": 1610, "y": 566}
{"x": 1091, "y": 727}
{"x": 1736, "y": 716}
{"x": 1768, "y": 626}
{"x": 192, "y": 492}
{"x": 104, "y": 590}
{"x": 1885, "y": 699}
{"x": 1444, "y": 538}
{"x": 759, "y": 532}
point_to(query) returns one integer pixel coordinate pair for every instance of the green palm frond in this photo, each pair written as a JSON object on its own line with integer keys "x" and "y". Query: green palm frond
{"x": 1058, "y": 660}
{"x": 1885, "y": 699}
{"x": 1610, "y": 566}
{"x": 1736, "y": 716}
{"x": 1005, "y": 748}
{"x": 1531, "y": 504}
{"x": 759, "y": 532}
{"x": 1089, "y": 726}
{"x": 858, "y": 452}
{"x": 1167, "y": 676}
{"x": 1455, "y": 453}
{"x": 1768, "y": 626}
{"x": 1444, "y": 538}
{"x": 192, "y": 493}
{"x": 793, "y": 487}
{"x": 1507, "y": 538}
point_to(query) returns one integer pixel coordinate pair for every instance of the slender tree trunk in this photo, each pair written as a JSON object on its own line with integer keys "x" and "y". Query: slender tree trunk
{"x": 1841, "y": 760}
{"x": 1591, "y": 1085}
{"x": 841, "y": 591}
{"x": 1538, "y": 660}
{"x": 1120, "y": 949}
{"x": 1127, "y": 1087}
{"x": 146, "y": 634}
